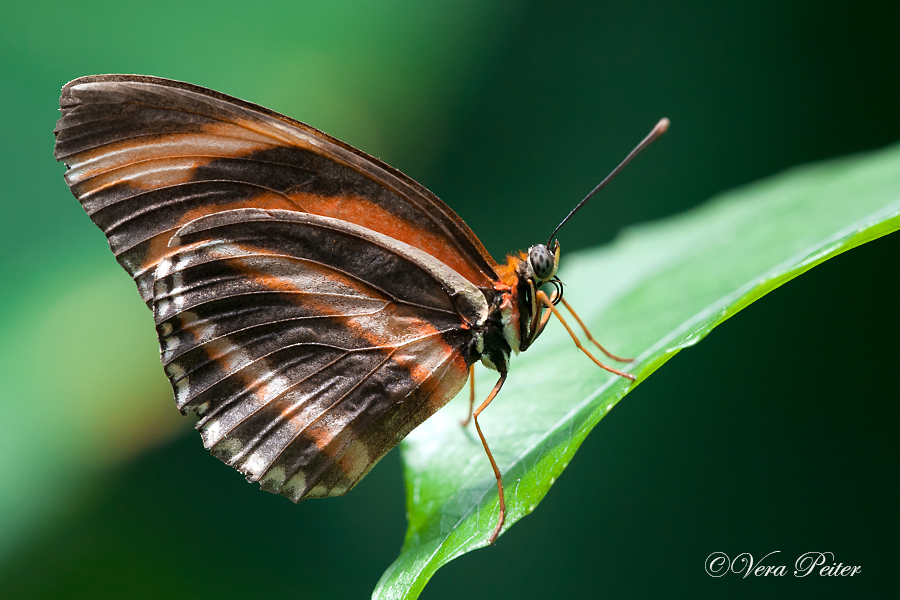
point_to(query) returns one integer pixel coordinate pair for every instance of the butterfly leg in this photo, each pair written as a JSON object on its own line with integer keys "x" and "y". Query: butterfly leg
{"x": 465, "y": 421}
{"x": 549, "y": 304}
{"x": 591, "y": 338}
{"x": 491, "y": 456}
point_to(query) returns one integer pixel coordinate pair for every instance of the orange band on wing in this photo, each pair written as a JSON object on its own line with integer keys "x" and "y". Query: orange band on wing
{"x": 363, "y": 212}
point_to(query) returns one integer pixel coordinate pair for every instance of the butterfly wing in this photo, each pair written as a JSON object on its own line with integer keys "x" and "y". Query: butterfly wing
{"x": 313, "y": 305}
{"x": 307, "y": 345}
{"x": 148, "y": 155}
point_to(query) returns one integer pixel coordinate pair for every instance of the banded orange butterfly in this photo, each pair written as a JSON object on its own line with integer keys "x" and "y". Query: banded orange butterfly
{"x": 313, "y": 305}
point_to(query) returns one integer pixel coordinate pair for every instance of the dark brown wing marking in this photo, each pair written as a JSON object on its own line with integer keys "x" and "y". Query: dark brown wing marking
{"x": 308, "y": 346}
{"x": 147, "y": 155}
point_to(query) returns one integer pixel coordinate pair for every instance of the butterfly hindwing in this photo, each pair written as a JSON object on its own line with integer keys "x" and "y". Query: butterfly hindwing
{"x": 309, "y": 346}
{"x": 146, "y": 156}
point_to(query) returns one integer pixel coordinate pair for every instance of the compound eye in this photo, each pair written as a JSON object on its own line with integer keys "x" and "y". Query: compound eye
{"x": 543, "y": 262}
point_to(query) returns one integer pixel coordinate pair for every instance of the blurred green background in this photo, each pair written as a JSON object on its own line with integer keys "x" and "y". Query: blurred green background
{"x": 778, "y": 432}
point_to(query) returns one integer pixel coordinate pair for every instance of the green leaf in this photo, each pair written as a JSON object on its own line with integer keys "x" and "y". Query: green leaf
{"x": 659, "y": 288}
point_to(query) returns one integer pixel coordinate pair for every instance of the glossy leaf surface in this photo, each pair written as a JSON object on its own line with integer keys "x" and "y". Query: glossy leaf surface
{"x": 659, "y": 288}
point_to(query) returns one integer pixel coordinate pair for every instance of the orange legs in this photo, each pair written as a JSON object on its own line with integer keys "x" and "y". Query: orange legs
{"x": 549, "y": 304}
{"x": 473, "y": 415}
{"x": 491, "y": 457}
{"x": 589, "y": 336}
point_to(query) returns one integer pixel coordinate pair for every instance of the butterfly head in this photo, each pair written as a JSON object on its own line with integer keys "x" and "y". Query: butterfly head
{"x": 544, "y": 261}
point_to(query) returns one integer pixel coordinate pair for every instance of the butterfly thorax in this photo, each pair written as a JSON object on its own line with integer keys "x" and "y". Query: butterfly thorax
{"x": 511, "y": 325}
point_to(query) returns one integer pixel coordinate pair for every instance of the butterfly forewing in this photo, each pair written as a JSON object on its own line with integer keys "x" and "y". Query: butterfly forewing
{"x": 308, "y": 346}
{"x": 146, "y": 156}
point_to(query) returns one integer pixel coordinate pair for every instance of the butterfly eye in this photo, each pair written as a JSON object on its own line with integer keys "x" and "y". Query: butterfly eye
{"x": 543, "y": 263}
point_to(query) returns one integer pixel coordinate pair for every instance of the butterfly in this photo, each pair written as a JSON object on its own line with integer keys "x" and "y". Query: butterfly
{"x": 313, "y": 305}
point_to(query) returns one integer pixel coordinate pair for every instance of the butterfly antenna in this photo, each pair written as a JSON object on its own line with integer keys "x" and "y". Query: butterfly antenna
{"x": 657, "y": 131}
